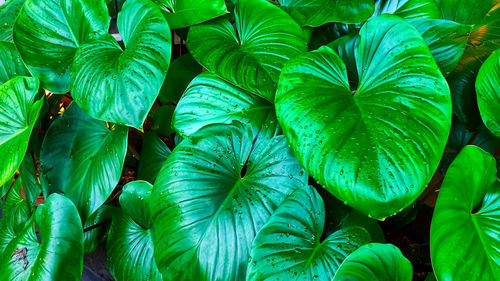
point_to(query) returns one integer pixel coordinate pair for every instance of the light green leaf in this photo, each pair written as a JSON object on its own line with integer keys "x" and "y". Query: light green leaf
{"x": 47, "y": 34}
{"x": 183, "y": 13}
{"x": 130, "y": 246}
{"x": 8, "y": 13}
{"x": 214, "y": 193}
{"x": 408, "y": 9}
{"x": 210, "y": 100}
{"x": 15, "y": 210}
{"x": 11, "y": 64}
{"x": 154, "y": 152}
{"x": 375, "y": 147}
{"x": 121, "y": 86}
{"x": 466, "y": 11}
{"x": 58, "y": 255}
{"x": 252, "y": 58}
{"x": 82, "y": 158}
{"x": 488, "y": 92}
{"x": 376, "y": 262}
{"x": 465, "y": 233}
{"x": 318, "y": 12}
{"x": 289, "y": 246}
{"x": 19, "y": 111}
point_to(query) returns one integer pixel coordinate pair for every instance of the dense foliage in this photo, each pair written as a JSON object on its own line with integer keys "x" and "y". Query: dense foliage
{"x": 250, "y": 139}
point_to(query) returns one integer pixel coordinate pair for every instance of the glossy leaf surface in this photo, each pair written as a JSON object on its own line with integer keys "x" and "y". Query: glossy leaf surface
{"x": 11, "y": 64}
{"x": 121, "y": 86}
{"x": 8, "y": 13}
{"x": 376, "y": 146}
{"x": 488, "y": 92}
{"x": 182, "y": 13}
{"x": 465, "y": 233}
{"x": 212, "y": 196}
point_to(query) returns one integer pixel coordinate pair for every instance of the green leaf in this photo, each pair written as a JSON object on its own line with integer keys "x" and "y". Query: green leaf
{"x": 8, "y": 13}
{"x": 465, "y": 11}
{"x": 488, "y": 92}
{"x": 252, "y": 58}
{"x": 161, "y": 118}
{"x": 408, "y": 9}
{"x": 465, "y": 233}
{"x": 56, "y": 255}
{"x": 182, "y": 70}
{"x": 32, "y": 188}
{"x": 82, "y": 158}
{"x": 214, "y": 193}
{"x": 47, "y": 34}
{"x": 94, "y": 237}
{"x": 209, "y": 100}
{"x": 375, "y": 147}
{"x": 121, "y": 86}
{"x": 154, "y": 152}
{"x": 15, "y": 210}
{"x": 446, "y": 40}
{"x": 130, "y": 246}
{"x": 11, "y": 64}
{"x": 18, "y": 114}
{"x": 318, "y": 12}
{"x": 183, "y": 13}
{"x": 381, "y": 262}
{"x": 289, "y": 246}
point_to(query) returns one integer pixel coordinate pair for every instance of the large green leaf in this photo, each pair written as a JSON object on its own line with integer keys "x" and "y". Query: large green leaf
{"x": 8, "y": 13}
{"x": 465, "y": 11}
{"x": 375, "y": 262}
{"x": 376, "y": 146}
{"x": 47, "y": 33}
{"x": 488, "y": 92}
{"x": 82, "y": 158}
{"x": 154, "y": 152}
{"x": 408, "y": 9}
{"x": 121, "y": 86}
{"x": 214, "y": 193}
{"x": 19, "y": 111}
{"x": 252, "y": 58}
{"x": 58, "y": 252}
{"x": 209, "y": 100}
{"x": 289, "y": 246}
{"x": 465, "y": 232}
{"x": 182, "y": 13}
{"x": 319, "y": 12}
{"x": 11, "y": 64}
{"x": 130, "y": 246}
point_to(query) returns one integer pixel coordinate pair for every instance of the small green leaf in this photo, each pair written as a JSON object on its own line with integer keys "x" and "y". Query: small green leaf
{"x": 58, "y": 252}
{"x": 289, "y": 246}
{"x": 94, "y": 237}
{"x": 375, "y": 146}
{"x": 82, "y": 158}
{"x": 380, "y": 262}
{"x": 47, "y": 34}
{"x": 210, "y": 99}
{"x": 252, "y": 58}
{"x": 121, "y": 86}
{"x": 32, "y": 188}
{"x": 19, "y": 111}
{"x": 488, "y": 92}
{"x": 214, "y": 193}
{"x": 183, "y": 13}
{"x": 130, "y": 246}
{"x": 465, "y": 233}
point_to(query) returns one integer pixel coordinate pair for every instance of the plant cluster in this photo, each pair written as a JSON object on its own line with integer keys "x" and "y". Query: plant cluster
{"x": 249, "y": 139}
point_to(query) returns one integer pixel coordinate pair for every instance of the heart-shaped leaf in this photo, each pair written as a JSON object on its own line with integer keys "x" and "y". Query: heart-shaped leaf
{"x": 381, "y": 262}
{"x": 376, "y": 146}
{"x": 252, "y": 58}
{"x": 82, "y": 158}
{"x": 11, "y": 64}
{"x": 154, "y": 152}
{"x": 47, "y": 33}
{"x": 130, "y": 246}
{"x": 488, "y": 92}
{"x": 214, "y": 193}
{"x": 319, "y": 12}
{"x": 57, "y": 254}
{"x": 209, "y": 100}
{"x": 19, "y": 111}
{"x": 465, "y": 233}
{"x": 182, "y": 13}
{"x": 289, "y": 246}
{"x": 121, "y": 86}
{"x": 8, "y": 13}
{"x": 15, "y": 212}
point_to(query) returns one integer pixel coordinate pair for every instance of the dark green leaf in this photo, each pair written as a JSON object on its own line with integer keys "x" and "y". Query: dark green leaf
{"x": 465, "y": 233}
{"x": 182, "y": 70}
{"x": 488, "y": 92}
{"x": 214, "y": 193}
{"x": 162, "y": 120}
{"x": 375, "y": 147}
{"x": 94, "y": 237}
{"x": 154, "y": 152}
